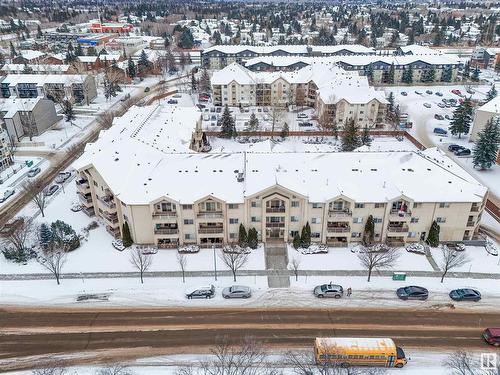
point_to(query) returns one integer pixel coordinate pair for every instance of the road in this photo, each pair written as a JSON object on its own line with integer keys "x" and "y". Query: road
{"x": 126, "y": 333}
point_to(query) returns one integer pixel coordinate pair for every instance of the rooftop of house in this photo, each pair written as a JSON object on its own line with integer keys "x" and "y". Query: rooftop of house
{"x": 11, "y": 106}
{"x": 144, "y": 157}
{"x": 493, "y": 106}
{"x": 293, "y": 49}
{"x": 42, "y": 79}
{"x": 37, "y": 68}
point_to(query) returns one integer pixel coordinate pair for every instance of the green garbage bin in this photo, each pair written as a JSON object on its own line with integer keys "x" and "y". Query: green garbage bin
{"x": 399, "y": 276}
{"x": 29, "y": 163}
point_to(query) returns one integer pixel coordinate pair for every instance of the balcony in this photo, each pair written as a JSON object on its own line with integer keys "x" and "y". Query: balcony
{"x": 210, "y": 214}
{"x": 474, "y": 209}
{"x": 89, "y": 211}
{"x": 275, "y": 225}
{"x": 471, "y": 223}
{"x": 164, "y": 214}
{"x": 340, "y": 214}
{"x": 333, "y": 229}
{"x": 114, "y": 231}
{"x": 82, "y": 184}
{"x": 275, "y": 209}
{"x": 398, "y": 213}
{"x": 205, "y": 230}
{"x": 397, "y": 228}
{"x": 166, "y": 230}
{"x": 111, "y": 218}
{"x": 107, "y": 201}
{"x": 85, "y": 199}
{"x": 336, "y": 243}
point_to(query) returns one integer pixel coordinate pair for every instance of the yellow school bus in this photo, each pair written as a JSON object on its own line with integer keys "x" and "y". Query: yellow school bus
{"x": 347, "y": 352}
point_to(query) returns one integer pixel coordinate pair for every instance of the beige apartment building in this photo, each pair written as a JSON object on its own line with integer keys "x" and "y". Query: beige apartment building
{"x": 337, "y": 95}
{"x": 173, "y": 199}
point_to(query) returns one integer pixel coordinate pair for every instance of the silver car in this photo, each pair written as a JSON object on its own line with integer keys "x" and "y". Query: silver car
{"x": 237, "y": 291}
{"x": 329, "y": 291}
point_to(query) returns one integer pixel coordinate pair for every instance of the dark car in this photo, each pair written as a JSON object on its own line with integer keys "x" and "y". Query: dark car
{"x": 207, "y": 291}
{"x": 429, "y": 92}
{"x": 454, "y": 148}
{"x": 412, "y": 292}
{"x": 438, "y": 117}
{"x": 465, "y": 295}
{"x": 172, "y": 101}
{"x": 329, "y": 291}
{"x": 147, "y": 89}
{"x": 492, "y": 336}
{"x": 404, "y": 93}
{"x": 306, "y": 124}
{"x": 440, "y": 131}
{"x": 464, "y": 152}
{"x": 51, "y": 190}
{"x": 438, "y": 93}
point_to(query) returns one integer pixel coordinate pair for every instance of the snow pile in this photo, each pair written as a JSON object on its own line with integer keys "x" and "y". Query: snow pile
{"x": 314, "y": 249}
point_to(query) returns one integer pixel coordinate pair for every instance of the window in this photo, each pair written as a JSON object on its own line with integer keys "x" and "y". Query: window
{"x": 441, "y": 220}
{"x": 95, "y": 184}
{"x": 232, "y": 235}
{"x": 359, "y": 205}
{"x": 357, "y": 220}
{"x": 254, "y": 204}
{"x": 316, "y": 220}
{"x": 356, "y": 234}
{"x": 315, "y": 235}
{"x": 414, "y": 220}
{"x": 187, "y": 206}
{"x": 444, "y": 205}
{"x": 188, "y": 236}
{"x": 377, "y": 220}
{"x": 379, "y": 205}
{"x": 255, "y": 219}
{"x": 412, "y": 234}
{"x": 294, "y": 219}
{"x": 188, "y": 221}
{"x": 233, "y": 221}
{"x": 316, "y": 205}
{"x": 232, "y": 206}
{"x": 294, "y": 233}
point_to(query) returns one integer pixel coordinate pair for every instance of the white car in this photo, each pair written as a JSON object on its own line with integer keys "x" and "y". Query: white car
{"x": 6, "y": 195}
{"x": 76, "y": 208}
{"x": 62, "y": 176}
{"x": 427, "y": 105}
{"x": 118, "y": 245}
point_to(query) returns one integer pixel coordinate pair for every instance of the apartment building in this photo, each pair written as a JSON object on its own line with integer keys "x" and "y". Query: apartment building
{"x": 76, "y": 87}
{"x": 173, "y": 198}
{"x": 485, "y": 58}
{"x": 5, "y": 151}
{"x": 424, "y": 68}
{"x": 35, "y": 69}
{"x": 337, "y": 95}
{"x": 217, "y": 57}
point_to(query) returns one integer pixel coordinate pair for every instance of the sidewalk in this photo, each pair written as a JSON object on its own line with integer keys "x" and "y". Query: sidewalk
{"x": 272, "y": 273}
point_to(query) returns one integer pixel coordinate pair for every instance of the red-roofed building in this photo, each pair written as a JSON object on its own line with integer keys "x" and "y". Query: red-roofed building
{"x": 111, "y": 27}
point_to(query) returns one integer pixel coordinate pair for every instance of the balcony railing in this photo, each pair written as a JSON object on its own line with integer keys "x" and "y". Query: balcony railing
{"x": 474, "y": 209}
{"x": 340, "y": 213}
{"x": 82, "y": 184}
{"x": 338, "y": 229}
{"x": 107, "y": 201}
{"x": 211, "y": 230}
{"x": 275, "y": 209}
{"x": 334, "y": 243}
{"x": 164, "y": 214}
{"x": 275, "y": 225}
{"x": 211, "y": 214}
{"x": 86, "y": 200}
{"x": 113, "y": 219}
{"x": 397, "y": 229}
{"x": 89, "y": 211}
{"x": 471, "y": 223}
{"x": 399, "y": 213}
{"x": 166, "y": 230}
{"x": 114, "y": 231}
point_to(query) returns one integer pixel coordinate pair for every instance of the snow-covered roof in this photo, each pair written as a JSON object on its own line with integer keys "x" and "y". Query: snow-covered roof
{"x": 291, "y": 49}
{"x": 42, "y": 79}
{"x": 493, "y": 106}
{"x": 37, "y": 68}
{"x": 417, "y": 49}
{"x": 12, "y": 105}
{"x": 87, "y": 59}
{"x": 31, "y": 54}
{"x": 144, "y": 156}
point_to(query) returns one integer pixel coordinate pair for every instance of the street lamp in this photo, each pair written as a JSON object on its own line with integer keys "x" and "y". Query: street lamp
{"x": 215, "y": 263}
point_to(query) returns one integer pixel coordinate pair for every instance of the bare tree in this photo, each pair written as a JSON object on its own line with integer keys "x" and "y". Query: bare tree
{"x": 182, "y": 259}
{"x": 53, "y": 260}
{"x": 276, "y": 113}
{"x": 53, "y": 368}
{"x": 17, "y": 234}
{"x": 451, "y": 259}
{"x": 461, "y": 363}
{"x": 105, "y": 119}
{"x": 28, "y": 124}
{"x": 234, "y": 259}
{"x": 141, "y": 262}
{"x": 376, "y": 257}
{"x": 35, "y": 192}
{"x": 294, "y": 266}
{"x": 115, "y": 369}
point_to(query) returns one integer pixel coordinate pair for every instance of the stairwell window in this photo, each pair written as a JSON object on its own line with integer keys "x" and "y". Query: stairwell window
{"x": 441, "y": 220}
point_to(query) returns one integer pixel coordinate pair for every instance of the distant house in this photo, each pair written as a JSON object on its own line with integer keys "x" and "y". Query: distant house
{"x": 23, "y": 117}
{"x": 35, "y": 69}
{"x": 29, "y": 57}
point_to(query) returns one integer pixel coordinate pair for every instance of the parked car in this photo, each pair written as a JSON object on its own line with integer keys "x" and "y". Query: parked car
{"x": 76, "y": 208}
{"x": 412, "y": 292}
{"x": 465, "y": 294}
{"x": 440, "y": 131}
{"x": 427, "y": 105}
{"x": 470, "y": 91}
{"x": 464, "y": 152}
{"x": 172, "y": 101}
{"x": 418, "y": 92}
{"x": 33, "y": 172}
{"x": 147, "y": 89}
{"x": 306, "y": 124}
{"x": 454, "y": 147}
{"x": 404, "y": 93}
{"x": 456, "y": 92}
{"x": 329, "y": 291}
{"x": 438, "y": 93}
{"x": 491, "y": 248}
{"x": 118, "y": 245}
{"x": 492, "y": 336}
{"x": 125, "y": 97}
{"x": 448, "y": 117}
{"x": 301, "y": 115}
{"x": 441, "y": 105}
{"x": 6, "y": 195}
{"x": 50, "y": 190}
{"x": 438, "y": 117}
{"x": 237, "y": 291}
{"x": 62, "y": 177}
{"x": 207, "y": 291}
{"x": 429, "y": 92}
{"x": 416, "y": 248}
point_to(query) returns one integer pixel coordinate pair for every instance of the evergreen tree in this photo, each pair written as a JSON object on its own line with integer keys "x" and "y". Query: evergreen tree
{"x": 242, "y": 236}
{"x": 462, "y": 118}
{"x": 408, "y": 75}
{"x": 252, "y": 238}
{"x": 492, "y": 93}
{"x": 433, "y": 236}
{"x": 305, "y": 237}
{"x": 126, "y": 238}
{"x": 27, "y": 69}
{"x": 369, "y": 232}
{"x": 186, "y": 40}
{"x": 486, "y": 149}
{"x": 64, "y": 236}
{"x": 2, "y": 59}
{"x": 217, "y": 38}
{"x": 475, "y": 75}
{"x": 194, "y": 82}
{"x": 68, "y": 111}
{"x": 390, "y": 99}
{"x": 204, "y": 83}
{"x": 335, "y": 130}
{"x": 91, "y": 51}
{"x": 366, "y": 139}
{"x": 285, "y": 131}
{"x": 296, "y": 241}
{"x": 143, "y": 63}
{"x": 13, "y": 52}
{"x": 430, "y": 75}
{"x": 350, "y": 137}
{"x": 228, "y": 128}
{"x": 45, "y": 236}
{"x": 253, "y": 123}
{"x": 466, "y": 71}
{"x": 39, "y": 32}
{"x": 131, "y": 69}
{"x": 369, "y": 73}
{"x": 79, "y": 50}
{"x": 391, "y": 74}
